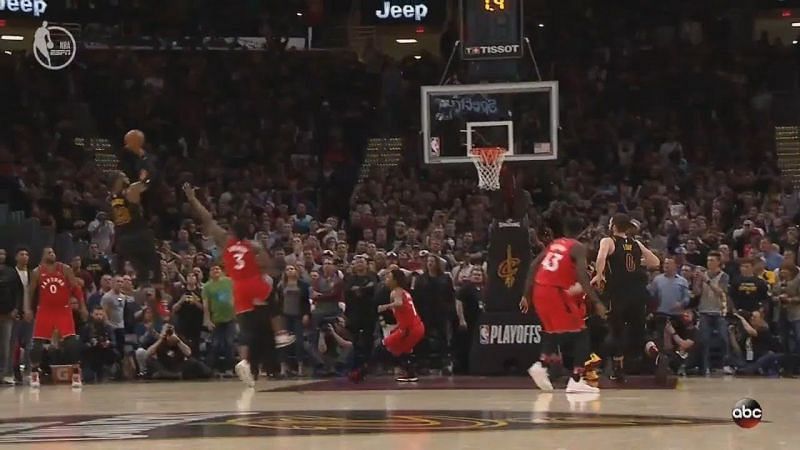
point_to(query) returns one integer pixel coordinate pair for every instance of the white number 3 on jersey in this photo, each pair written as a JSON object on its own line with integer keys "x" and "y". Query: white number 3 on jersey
{"x": 239, "y": 258}
{"x": 551, "y": 261}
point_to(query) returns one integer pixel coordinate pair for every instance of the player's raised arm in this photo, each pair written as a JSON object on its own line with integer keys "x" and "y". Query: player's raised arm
{"x": 606, "y": 247}
{"x": 210, "y": 226}
{"x": 134, "y": 192}
{"x": 650, "y": 258}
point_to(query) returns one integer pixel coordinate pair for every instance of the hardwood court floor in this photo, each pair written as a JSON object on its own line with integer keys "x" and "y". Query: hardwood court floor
{"x": 223, "y": 415}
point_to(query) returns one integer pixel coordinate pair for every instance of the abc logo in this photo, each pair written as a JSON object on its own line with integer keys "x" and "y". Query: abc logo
{"x": 747, "y": 413}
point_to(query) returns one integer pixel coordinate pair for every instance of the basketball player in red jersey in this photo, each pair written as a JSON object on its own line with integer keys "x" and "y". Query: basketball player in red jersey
{"x": 557, "y": 283}
{"x": 54, "y": 283}
{"x": 245, "y": 262}
{"x": 400, "y": 343}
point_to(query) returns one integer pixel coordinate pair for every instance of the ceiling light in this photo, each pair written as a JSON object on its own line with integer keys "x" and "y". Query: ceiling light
{"x": 417, "y": 57}
{"x": 406, "y": 41}
{"x": 795, "y": 24}
{"x": 11, "y": 37}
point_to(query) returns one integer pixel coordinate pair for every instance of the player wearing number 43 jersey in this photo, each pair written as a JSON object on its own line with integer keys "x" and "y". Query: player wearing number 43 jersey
{"x": 245, "y": 262}
{"x": 557, "y": 285}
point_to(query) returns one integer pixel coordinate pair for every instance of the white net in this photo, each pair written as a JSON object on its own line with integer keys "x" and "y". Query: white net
{"x": 488, "y": 161}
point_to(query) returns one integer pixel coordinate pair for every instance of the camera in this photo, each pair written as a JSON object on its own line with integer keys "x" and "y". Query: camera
{"x": 169, "y": 330}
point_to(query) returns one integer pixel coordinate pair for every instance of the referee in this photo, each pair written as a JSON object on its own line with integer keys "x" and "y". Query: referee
{"x": 619, "y": 267}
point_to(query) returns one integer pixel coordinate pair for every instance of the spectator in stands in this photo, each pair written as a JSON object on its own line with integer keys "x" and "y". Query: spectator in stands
{"x": 711, "y": 287}
{"x": 101, "y": 230}
{"x": 293, "y": 294}
{"x": 434, "y": 298}
{"x": 8, "y": 315}
{"x": 113, "y": 303}
{"x": 748, "y": 292}
{"x": 218, "y": 317}
{"x": 169, "y": 358}
{"x": 99, "y": 346}
{"x": 105, "y": 284}
{"x": 187, "y": 313}
{"x": 361, "y": 308}
{"x": 97, "y": 264}
{"x": 469, "y": 303}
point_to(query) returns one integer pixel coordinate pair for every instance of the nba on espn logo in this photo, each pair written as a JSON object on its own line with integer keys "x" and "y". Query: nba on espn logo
{"x": 747, "y": 413}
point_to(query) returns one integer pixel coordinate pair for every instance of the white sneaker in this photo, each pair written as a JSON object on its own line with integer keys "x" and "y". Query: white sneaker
{"x": 580, "y": 387}
{"x": 244, "y": 373}
{"x": 10, "y": 381}
{"x": 728, "y": 370}
{"x": 539, "y": 375}
{"x": 284, "y": 339}
{"x": 76, "y": 381}
{"x": 35, "y": 384}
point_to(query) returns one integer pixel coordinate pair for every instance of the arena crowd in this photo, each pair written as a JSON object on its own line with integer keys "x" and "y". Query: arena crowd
{"x": 683, "y": 145}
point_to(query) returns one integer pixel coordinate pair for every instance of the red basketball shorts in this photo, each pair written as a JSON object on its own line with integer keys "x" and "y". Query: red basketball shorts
{"x": 250, "y": 292}
{"x": 54, "y": 318}
{"x": 558, "y": 311}
{"x": 403, "y": 340}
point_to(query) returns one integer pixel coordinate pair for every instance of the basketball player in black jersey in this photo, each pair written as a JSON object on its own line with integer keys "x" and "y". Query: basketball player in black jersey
{"x": 134, "y": 240}
{"x": 619, "y": 268}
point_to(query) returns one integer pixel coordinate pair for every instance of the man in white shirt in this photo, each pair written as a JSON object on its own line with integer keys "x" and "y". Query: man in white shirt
{"x": 102, "y": 232}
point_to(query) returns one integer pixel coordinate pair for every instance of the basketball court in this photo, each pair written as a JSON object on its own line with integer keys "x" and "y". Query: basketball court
{"x": 505, "y": 413}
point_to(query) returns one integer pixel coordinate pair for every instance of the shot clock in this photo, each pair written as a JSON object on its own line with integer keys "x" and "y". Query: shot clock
{"x": 491, "y": 29}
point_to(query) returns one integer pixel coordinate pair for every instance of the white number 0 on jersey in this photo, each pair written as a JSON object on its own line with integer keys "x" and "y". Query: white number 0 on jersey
{"x": 551, "y": 261}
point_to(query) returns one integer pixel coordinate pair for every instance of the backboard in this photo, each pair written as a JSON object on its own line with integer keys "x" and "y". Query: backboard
{"x": 521, "y": 117}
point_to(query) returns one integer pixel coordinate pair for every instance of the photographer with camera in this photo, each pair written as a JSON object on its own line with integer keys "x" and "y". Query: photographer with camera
{"x": 99, "y": 351}
{"x": 170, "y": 358}
{"x": 754, "y": 346}
{"x": 333, "y": 351}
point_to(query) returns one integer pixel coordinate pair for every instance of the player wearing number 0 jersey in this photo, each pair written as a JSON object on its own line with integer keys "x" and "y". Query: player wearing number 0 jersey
{"x": 621, "y": 274}
{"x": 244, "y": 264}
{"x": 556, "y": 285}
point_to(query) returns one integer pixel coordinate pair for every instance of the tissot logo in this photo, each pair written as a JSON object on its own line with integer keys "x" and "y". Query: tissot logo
{"x": 494, "y": 50}
{"x": 509, "y": 334}
{"x": 35, "y": 7}
{"x": 391, "y": 10}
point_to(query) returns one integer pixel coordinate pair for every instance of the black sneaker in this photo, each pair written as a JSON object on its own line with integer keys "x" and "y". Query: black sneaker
{"x": 662, "y": 368}
{"x": 407, "y": 379}
{"x": 617, "y": 372}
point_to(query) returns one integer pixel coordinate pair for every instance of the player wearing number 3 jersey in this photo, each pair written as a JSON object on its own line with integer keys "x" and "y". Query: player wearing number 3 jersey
{"x": 245, "y": 262}
{"x": 556, "y": 287}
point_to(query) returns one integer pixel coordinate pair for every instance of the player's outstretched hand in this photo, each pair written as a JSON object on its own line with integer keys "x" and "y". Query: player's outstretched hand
{"x": 523, "y": 305}
{"x": 188, "y": 189}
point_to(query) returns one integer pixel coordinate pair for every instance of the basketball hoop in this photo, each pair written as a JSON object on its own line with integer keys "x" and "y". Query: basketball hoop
{"x": 488, "y": 161}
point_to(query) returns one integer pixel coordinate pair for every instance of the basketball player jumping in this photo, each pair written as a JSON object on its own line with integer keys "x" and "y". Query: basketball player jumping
{"x": 245, "y": 263}
{"x": 400, "y": 343}
{"x": 134, "y": 241}
{"x": 619, "y": 269}
{"x": 54, "y": 283}
{"x": 556, "y": 285}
